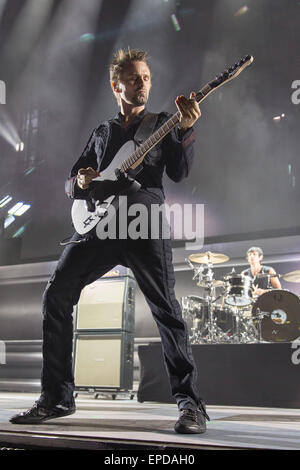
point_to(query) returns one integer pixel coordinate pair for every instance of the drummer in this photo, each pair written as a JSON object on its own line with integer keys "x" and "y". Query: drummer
{"x": 261, "y": 284}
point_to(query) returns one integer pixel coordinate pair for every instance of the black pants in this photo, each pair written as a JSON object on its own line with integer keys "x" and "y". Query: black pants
{"x": 79, "y": 265}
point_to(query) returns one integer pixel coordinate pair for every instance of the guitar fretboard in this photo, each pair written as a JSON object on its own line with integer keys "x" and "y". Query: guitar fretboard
{"x": 144, "y": 148}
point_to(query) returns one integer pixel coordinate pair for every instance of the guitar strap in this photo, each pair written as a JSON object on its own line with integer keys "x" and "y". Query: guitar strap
{"x": 146, "y": 128}
{"x": 144, "y": 131}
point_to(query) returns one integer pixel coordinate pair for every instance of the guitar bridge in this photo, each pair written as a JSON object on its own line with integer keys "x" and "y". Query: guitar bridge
{"x": 101, "y": 208}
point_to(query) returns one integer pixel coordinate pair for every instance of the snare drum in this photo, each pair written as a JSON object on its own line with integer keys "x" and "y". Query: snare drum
{"x": 238, "y": 290}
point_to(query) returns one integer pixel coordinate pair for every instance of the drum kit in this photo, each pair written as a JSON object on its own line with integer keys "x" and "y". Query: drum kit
{"x": 229, "y": 312}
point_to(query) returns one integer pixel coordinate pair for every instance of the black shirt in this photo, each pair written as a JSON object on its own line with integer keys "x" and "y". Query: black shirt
{"x": 173, "y": 154}
{"x": 150, "y": 176}
{"x": 260, "y": 282}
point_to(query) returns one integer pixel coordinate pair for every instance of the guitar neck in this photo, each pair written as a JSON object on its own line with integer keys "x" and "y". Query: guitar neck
{"x": 137, "y": 157}
{"x": 158, "y": 135}
{"x": 153, "y": 140}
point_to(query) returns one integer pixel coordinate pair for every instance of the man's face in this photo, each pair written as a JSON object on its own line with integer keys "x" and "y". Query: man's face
{"x": 254, "y": 257}
{"x": 135, "y": 83}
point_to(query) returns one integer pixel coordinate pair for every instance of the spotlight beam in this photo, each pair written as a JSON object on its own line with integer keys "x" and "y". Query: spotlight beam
{"x": 8, "y": 130}
{"x": 25, "y": 32}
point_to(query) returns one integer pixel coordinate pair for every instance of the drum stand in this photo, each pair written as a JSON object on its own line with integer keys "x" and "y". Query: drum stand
{"x": 244, "y": 329}
{"x": 259, "y": 315}
{"x": 211, "y": 333}
{"x": 196, "y": 337}
{"x": 237, "y": 316}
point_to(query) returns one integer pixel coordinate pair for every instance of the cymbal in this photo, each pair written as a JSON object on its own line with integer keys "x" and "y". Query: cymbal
{"x": 208, "y": 257}
{"x": 293, "y": 276}
{"x": 213, "y": 283}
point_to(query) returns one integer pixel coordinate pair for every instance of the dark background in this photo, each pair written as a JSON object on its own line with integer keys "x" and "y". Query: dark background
{"x": 54, "y": 58}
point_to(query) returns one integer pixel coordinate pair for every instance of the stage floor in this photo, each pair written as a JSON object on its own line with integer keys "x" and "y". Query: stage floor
{"x": 106, "y": 424}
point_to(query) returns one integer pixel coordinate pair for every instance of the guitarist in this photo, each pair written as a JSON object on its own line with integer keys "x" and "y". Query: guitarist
{"x": 149, "y": 259}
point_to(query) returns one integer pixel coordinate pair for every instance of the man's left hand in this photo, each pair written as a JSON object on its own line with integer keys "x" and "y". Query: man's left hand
{"x": 189, "y": 111}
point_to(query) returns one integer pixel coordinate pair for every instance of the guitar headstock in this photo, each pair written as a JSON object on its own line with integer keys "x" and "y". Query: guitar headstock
{"x": 229, "y": 74}
{"x": 232, "y": 72}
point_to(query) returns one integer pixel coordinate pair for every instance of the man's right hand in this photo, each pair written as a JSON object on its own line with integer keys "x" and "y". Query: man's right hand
{"x": 85, "y": 176}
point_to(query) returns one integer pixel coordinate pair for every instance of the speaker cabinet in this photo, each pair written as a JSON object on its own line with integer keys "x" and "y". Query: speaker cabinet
{"x": 103, "y": 338}
{"x": 107, "y": 304}
{"x": 103, "y": 361}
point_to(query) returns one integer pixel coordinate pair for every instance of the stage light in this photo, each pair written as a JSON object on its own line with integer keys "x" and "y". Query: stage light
{"x": 87, "y": 37}
{"x": 9, "y": 220}
{"x": 278, "y": 118}
{"x": 5, "y": 201}
{"x": 29, "y": 171}
{"x": 19, "y": 232}
{"x": 24, "y": 208}
{"x": 15, "y": 208}
{"x": 20, "y": 147}
{"x": 175, "y": 22}
{"x": 241, "y": 11}
{"x": 19, "y": 209}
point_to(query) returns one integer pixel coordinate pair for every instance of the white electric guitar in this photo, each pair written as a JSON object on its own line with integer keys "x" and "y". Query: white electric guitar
{"x": 114, "y": 180}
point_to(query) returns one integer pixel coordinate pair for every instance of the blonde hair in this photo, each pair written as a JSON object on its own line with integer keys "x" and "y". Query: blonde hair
{"x": 121, "y": 59}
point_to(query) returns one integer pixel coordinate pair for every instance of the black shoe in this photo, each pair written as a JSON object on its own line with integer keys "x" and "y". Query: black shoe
{"x": 39, "y": 413}
{"x": 191, "y": 422}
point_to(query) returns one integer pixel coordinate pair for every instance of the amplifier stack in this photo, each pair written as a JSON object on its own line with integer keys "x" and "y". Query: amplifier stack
{"x": 104, "y": 334}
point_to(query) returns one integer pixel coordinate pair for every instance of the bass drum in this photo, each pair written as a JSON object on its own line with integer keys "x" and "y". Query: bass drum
{"x": 281, "y": 315}
{"x": 225, "y": 319}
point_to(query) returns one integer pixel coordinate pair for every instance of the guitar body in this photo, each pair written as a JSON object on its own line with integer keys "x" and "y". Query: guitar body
{"x": 84, "y": 220}
{"x": 125, "y": 151}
